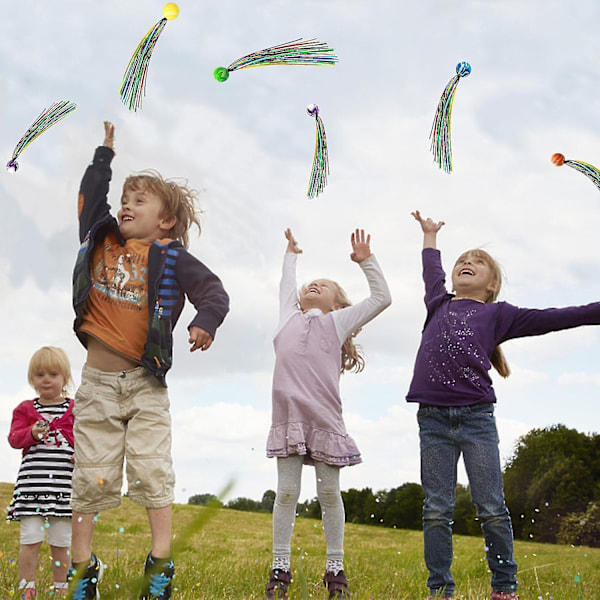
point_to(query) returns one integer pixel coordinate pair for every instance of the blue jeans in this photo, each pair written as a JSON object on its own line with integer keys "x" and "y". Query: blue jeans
{"x": 445, "y": 433}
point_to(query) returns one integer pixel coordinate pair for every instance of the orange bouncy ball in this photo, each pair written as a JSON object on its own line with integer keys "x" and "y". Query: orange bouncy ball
{"x": 588, "y": 170}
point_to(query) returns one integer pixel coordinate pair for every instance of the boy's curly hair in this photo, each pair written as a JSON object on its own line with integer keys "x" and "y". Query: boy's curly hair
{"x": 178, "y": 200}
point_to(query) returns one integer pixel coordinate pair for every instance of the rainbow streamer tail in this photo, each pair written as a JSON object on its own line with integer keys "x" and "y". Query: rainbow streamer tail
{"x": 297, "y": 52}
{"x": 50, "y": 116}
{"x": 133, "y": 86}
{"x": 441, "y": 143}
{"x": 320, "y": 167}
{"x": 589, "y": 171}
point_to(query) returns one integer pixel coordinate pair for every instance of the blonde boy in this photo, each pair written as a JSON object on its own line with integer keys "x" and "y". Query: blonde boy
{"x": 129, "y": 283}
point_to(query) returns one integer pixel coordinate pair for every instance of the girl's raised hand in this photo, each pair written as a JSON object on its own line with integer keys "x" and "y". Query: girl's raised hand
{"x": 292, "y": 246}
{"x": 361, "y": 246}
{"x": 427, "y": 225}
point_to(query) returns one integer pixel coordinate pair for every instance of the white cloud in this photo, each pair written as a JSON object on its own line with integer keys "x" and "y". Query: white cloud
{"x": 247, "y": 145}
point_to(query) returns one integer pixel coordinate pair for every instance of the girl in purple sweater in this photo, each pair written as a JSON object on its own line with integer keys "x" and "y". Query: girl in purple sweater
{"x": 313, "y": 346}
{"x": 451, "y": 383}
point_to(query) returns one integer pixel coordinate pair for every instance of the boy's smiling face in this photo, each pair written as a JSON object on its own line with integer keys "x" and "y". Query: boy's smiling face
{"x": 140, "y": 216}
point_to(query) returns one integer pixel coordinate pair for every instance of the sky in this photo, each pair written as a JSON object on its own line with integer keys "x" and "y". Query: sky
{"x": 247, "y": 146}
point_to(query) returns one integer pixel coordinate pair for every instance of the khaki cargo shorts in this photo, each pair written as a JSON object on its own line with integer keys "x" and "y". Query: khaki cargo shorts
{"x": 121, "y": 416}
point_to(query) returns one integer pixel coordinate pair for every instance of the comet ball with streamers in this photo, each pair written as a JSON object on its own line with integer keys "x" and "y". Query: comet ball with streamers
{"x": 171, "y": 11}
{"x": 48, "y": 117}
{"x": 296, "y": 52}
{"x": 441, "y": 145}
{"x": 133, "y": 86}
{"x": 588, "y": 170}
{"x": 320, "y": 167}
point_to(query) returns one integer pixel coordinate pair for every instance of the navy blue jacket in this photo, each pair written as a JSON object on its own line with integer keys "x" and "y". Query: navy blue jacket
{"x": 173, "y": 273}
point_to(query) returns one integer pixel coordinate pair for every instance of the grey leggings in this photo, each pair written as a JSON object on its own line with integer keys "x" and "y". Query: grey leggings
{"x": 289, "y": 475}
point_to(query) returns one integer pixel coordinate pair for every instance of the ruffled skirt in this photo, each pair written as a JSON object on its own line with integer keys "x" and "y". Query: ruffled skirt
{"x": 338, "y": 450}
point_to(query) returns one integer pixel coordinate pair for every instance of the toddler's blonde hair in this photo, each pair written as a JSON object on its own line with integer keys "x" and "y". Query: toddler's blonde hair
{"x": 50, "y": 358}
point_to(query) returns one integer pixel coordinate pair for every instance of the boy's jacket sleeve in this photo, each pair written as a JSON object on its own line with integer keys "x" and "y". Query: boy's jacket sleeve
{"x": 93, "y": 192}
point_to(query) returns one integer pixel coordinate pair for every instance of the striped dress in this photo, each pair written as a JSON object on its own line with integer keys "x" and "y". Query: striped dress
{"x": 43, "y": 485}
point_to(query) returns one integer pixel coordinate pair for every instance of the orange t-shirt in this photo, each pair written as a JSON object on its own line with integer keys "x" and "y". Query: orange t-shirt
{"x": 116, "y": 310}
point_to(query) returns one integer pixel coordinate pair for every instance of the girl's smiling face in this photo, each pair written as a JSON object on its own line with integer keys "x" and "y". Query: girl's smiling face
{"x": 320, "y": 293}
{"x": 473, "y": 276}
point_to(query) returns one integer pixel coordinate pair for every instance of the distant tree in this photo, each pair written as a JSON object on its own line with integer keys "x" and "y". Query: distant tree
{"x": 361, "y": 507}
{"x": 465, "y": 522}
{"x": 204, "y": 499}
{"x": 267, "y": 502}
{"x": 553, "y": 472}
{"x": 245, "y": 504}
{"x": 310, "y": 509}
{"x": 403, "y": 506}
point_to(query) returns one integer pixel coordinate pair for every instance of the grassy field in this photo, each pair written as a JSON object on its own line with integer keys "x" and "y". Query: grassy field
{"x": 226, "y": 554}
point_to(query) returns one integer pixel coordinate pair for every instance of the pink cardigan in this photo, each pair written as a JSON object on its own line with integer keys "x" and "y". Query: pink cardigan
{"x": 24, "y": 418}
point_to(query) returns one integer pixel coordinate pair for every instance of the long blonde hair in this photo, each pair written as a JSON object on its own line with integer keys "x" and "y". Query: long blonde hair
{"x": 497, "y": 359}
{"x": 352, "y": 357}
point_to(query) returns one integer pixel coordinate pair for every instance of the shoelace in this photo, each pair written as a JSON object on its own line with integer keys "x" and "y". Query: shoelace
{"x": 158, "y": 582}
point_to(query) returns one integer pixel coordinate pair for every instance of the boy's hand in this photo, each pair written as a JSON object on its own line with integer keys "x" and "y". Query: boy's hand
{"x": 361, "y": 249}
{"x": 109, "y": 135}
{"x": 200, "y": 339}
{"x": 292, "y": 246}
{"x": 427, "y": 225}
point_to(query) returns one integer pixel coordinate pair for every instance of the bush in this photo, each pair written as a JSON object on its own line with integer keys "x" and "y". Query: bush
{"x": 581, "y": 529}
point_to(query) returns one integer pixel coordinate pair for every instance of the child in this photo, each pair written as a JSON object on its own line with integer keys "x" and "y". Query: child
{"x": 128, "y": 292}
{"x": 43, "y": 429}
{"x": 313, "y": 346}
{"x": 451, "y": 382}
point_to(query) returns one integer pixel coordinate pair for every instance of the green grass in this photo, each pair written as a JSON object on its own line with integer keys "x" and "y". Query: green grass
{"x": 226, "y": 554}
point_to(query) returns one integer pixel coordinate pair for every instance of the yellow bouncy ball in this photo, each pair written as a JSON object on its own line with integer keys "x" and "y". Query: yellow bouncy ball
{"x": 171, "y": 10}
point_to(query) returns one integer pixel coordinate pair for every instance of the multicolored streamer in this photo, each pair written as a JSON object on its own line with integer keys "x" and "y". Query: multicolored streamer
{"x": 50, "y": 116}
{"x": 441, "y": 144}
{"x": 588, "y": 170}
{"x": 296, "y": 52}
{"x": 133, "y": 86}
{"x": 320, "y": 167}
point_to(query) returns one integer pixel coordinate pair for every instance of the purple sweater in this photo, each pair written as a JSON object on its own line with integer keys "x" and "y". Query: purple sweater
{"x": 459, "y": 336}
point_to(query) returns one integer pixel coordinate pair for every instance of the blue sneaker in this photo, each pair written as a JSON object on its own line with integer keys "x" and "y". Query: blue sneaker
{"x": 158, "y": 575}
{"x": 83, "y": 580}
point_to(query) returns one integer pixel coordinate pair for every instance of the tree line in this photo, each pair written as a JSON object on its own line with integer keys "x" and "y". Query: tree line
{"x": 551, "y": 484}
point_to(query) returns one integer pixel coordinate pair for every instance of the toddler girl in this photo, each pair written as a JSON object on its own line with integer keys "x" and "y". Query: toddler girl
{"x": 43, "y": 429}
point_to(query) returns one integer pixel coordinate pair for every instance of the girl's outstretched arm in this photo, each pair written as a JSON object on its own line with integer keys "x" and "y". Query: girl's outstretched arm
{"x": 430, "y": 229}
{"x": 288, "y": 288}
{"x": 347, "y": 320}
{"x": 292, "y": 246}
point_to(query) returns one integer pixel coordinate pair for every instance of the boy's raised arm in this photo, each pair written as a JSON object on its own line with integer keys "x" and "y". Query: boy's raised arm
{"x": 109, "y": 135}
